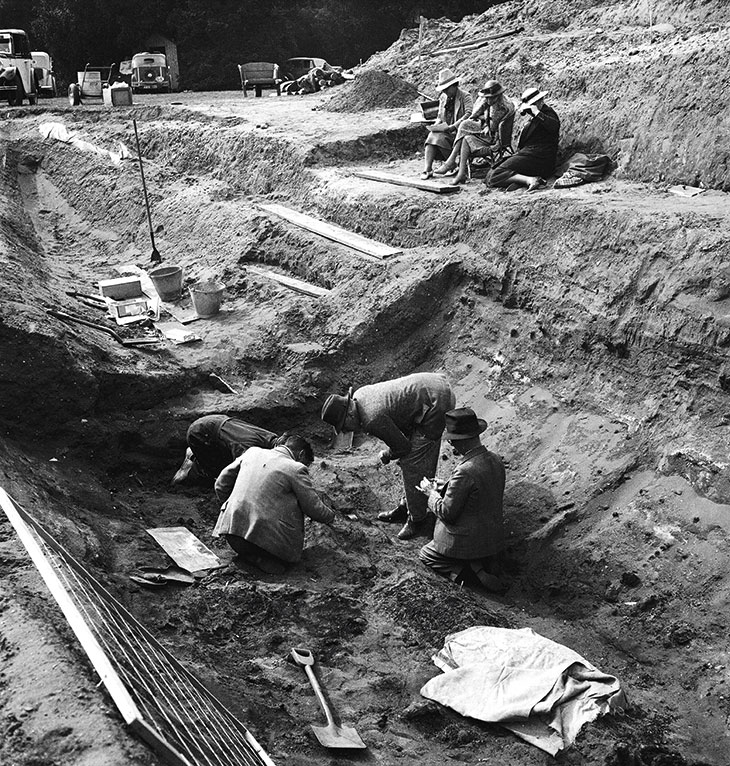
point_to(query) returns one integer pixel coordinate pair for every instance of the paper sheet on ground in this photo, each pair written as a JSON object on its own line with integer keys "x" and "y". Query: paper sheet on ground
{"x": 537, "y": 688}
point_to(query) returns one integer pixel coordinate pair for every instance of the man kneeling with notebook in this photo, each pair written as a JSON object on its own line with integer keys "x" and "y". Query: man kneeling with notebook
{"x": 468, "y": 537}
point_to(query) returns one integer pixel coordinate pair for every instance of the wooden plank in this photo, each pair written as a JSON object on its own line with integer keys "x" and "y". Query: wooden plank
{"x": 184, "y": 548}
{"x": 389, "y": 178}
{"x": 479, "y": 43}
{"x": 118, "y": 692}
{"x": 80, "y": 620}
{"x": 335, "y": 233}
{"x": 293, "y": 284}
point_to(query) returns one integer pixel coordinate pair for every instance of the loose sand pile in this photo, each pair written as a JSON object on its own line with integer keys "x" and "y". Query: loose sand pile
{"x": 372, "y": 89}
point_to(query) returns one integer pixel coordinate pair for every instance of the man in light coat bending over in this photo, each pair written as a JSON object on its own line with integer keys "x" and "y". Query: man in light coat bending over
{"x": 469, "y": 536}
{"x": 408, "y": 415}
{"x": 265, "y": 494}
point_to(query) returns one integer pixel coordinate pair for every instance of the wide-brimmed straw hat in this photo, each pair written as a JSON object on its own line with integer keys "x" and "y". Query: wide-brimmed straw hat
{"x": 462, "y": 423}
{"x": 532, "y": 95}
{"x": 446, "y": 78}
{"x": 492, "y": 88}
{"x": 334, "y": 410}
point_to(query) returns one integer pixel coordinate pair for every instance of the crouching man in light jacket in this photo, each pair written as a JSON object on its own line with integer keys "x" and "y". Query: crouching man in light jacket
{"x": 266, "y": 493}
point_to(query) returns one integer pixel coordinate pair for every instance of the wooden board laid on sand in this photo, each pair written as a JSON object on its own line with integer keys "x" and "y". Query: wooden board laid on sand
{"x": 315, "y": 291}
{"x": 354, "y": 241}
{"x": 389, "y": 178}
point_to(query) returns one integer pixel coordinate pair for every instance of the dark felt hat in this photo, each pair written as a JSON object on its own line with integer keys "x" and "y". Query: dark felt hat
{"x": 491, "y": 88}
{"x": 335, "y": 409}
{"x": 462, "y": 423}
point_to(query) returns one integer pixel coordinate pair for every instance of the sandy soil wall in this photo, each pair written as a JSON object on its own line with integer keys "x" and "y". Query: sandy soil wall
{"x": 653, "y": 98}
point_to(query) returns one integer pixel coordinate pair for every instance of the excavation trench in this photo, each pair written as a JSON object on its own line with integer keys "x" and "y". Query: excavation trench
{"x": 588, "y": 329}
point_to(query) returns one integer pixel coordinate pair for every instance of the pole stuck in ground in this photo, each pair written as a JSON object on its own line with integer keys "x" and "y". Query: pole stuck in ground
{"x": 155, "y": 256}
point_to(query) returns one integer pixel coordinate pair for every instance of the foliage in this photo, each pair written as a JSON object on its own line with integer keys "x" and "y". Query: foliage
{"x": 214, "y": 36}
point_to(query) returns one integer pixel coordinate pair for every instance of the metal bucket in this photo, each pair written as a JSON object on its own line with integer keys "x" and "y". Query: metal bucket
{"x": 168, "y": 282}
{"x": 207, "y": 298}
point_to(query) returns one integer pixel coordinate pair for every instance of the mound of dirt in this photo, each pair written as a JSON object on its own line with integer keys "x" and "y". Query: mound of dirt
{"x": 372, "y": 89}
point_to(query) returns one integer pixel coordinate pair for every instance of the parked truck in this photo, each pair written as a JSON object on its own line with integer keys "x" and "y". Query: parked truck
{"x": 150, "y": 73}
{"x": 17, "y": 73}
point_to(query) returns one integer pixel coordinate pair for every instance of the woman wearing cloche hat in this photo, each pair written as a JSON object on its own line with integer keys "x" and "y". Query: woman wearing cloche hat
{"x": 487, "y": 133}
{"x": 454, "y": 106}
{"x": 537, "y": 146}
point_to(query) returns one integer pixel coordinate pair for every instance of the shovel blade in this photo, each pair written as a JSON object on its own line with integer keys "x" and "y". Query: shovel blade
{"x": 338, "y": 736}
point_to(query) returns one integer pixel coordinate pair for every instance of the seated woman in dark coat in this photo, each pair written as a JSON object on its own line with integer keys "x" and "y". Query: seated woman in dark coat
{"x": 537, "y": 147}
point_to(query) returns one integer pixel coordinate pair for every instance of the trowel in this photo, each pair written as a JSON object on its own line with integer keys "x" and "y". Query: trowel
{"x": 331, "y": 735}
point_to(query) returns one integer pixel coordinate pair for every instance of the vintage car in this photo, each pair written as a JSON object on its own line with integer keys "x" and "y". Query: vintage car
{"x": 44, "y": 75}
{"x": 17, "y": 75}
{"x": 150, "y": 73}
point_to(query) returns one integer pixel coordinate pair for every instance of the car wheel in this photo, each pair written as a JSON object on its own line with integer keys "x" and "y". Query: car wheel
{"x": 17, "y": 99}
{"x": 74, "y": 94}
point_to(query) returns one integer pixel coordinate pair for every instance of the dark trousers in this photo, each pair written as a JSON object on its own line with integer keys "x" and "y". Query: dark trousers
{"x": 421, "y": 461}
{"x": 256, "y": 555}
{"x": 522, "y": 163}
{"x": 462, "y": 570}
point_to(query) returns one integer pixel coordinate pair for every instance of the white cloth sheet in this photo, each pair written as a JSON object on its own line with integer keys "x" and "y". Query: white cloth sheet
{"x": 59, "y": 132}
{"x": 542, "y": 691}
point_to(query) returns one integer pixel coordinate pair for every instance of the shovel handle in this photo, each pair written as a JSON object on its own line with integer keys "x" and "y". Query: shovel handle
{"x": 304, "y": 658}
{"x": 79, "y": 320}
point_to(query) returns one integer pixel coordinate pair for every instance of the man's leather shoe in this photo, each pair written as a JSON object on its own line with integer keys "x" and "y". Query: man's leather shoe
{"x": 396, "y": 516}
{"x": 411, "y": 529}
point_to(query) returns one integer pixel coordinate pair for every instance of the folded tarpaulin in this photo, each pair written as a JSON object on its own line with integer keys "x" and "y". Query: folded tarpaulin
{"x": 538, "y": 689}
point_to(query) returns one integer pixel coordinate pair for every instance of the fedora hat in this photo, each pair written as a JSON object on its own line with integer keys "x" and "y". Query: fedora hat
{"x": 531, "y": 95}
{"x": 334, "y": 410}
{"x": 446, "y": 78}
{"x": 462, "y": 423}
{"x": 492, "y": 88}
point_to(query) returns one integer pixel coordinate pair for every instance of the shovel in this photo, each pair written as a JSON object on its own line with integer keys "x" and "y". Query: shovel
{"x": 142, "y": 341}
{"x": 331, "y": 735}
{"x": 155, "y": 257}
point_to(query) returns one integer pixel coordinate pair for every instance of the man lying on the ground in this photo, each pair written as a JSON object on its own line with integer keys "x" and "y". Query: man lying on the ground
{"x": 265, "y": 494}
{"x": 408, "y": 415}
{"x": 468, "y": 537}
{"x": 537, "y": 147}
{"x": 213, "y": 442}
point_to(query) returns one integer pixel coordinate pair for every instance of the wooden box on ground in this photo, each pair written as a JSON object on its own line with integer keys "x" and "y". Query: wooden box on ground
{"x": 117, "y": 96}
{"x": 121, "y": 289}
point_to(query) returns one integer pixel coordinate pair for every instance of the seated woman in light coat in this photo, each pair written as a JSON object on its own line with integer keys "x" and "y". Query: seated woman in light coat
{"x": 487, "y": 133}
{"x": 455, "y": 105}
